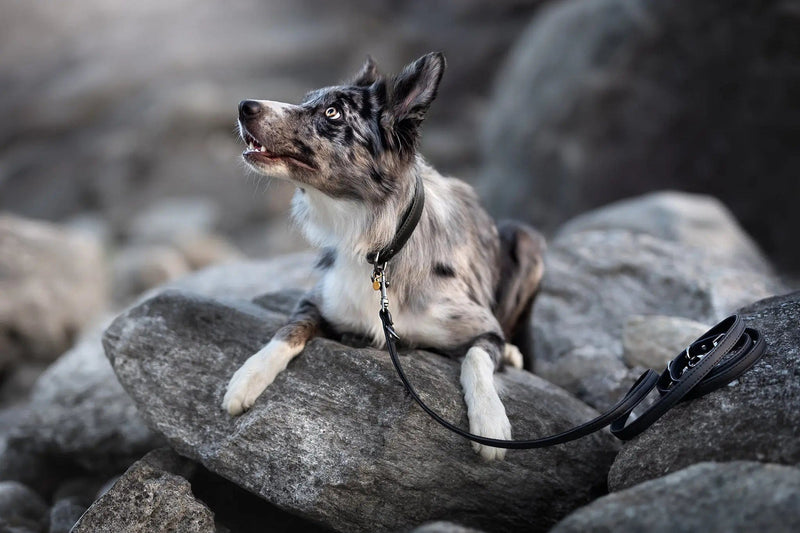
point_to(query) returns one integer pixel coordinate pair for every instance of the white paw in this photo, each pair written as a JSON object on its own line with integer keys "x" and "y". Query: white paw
{"x": 254, "y": 376}
{"x": 512, "y": 356}
{"x": 489, "y": 419}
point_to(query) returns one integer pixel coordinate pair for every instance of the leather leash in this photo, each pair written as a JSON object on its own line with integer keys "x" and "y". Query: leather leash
{"x": 722, "y": 354}
{"x": 719, "y": 356}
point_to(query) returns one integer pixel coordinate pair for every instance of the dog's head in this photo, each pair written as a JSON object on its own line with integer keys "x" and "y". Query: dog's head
{"x": 349, "y": 141}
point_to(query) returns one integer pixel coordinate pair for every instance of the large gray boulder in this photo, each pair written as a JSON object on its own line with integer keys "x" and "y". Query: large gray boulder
{"x": 335, "y": 439}
{"x": 730, "y": 497}
{"x": 80, "y": 417}
{"x": 53, "y": 282}
{"x": 609, "y": 99}
{"x": 756, "y": 418}
{"x": 636, "y": 258}
{"x": 152, "y": 496}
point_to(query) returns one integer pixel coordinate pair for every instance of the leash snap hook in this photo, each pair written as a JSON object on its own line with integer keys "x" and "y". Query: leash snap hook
{"x": 380, "y": 282}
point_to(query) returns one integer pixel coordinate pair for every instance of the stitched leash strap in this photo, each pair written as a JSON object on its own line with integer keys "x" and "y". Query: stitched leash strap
{"x": 719, "y": 356}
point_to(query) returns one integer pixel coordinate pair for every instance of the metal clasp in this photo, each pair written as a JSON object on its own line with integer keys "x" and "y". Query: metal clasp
{"x": 693, "y": 360}
{"x": 380, "y": 282}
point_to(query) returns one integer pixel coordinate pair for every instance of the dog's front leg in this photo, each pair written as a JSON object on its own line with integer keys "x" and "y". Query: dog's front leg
{"x": 260, "y": 369}
{"x": 487, "y": 416}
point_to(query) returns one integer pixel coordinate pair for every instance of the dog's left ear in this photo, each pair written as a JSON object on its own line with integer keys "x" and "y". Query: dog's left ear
{"x": 412, "y": 92}
{"x": 367, "y": 75}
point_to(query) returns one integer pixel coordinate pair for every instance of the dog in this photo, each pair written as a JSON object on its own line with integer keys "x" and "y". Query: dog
{"x": 461, "y": 285}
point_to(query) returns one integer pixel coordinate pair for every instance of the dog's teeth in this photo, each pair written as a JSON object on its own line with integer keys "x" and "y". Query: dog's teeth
{"x": 263, "y": 149}
{"x": 251, "y": 146}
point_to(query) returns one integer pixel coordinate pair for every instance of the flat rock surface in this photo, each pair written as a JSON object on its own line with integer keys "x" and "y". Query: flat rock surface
{"x": 335, "y": 439}
{"x": 727, "y": 497}
{"x": 756, "y": 418}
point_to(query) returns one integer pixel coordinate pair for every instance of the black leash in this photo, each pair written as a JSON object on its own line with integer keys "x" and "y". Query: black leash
{"x": 719, "y": 356}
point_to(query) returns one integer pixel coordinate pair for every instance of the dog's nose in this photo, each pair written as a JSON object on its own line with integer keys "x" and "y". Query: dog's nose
{"x": 249, "y": 109}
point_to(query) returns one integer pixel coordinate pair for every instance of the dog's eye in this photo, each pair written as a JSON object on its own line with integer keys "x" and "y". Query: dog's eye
{"x": 332, "y": 113}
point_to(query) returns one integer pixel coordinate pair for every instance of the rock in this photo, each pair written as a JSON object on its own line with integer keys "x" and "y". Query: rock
{"x": 335, "y": 440}
{"x": 652, "y": 341}
{"x": 53, "y": 282}
{"x": 80, "y": 414}
{"x": 598, "y": 277}
{"x": 21, "y": 507}
{"x": 153, "y": 495}
{"x": 695, "y": 220}
{"x": 238, "y": 511}
{"x": 80, "y": 418}
{"x": 601, "y": 100}
{"x": 443, "y": 527}
{"x": 243, "y": 279}
{"x": 733, "y": 497}
{"x": 63, "y": 515}
{"x": 142, "y": 267}
{"x": 202, "y": 251}
{"x": 756, "y": 418}
{"x": 172, "y": 220}
{"x": 16, "y": 384}
{"x": 81, "y": 490}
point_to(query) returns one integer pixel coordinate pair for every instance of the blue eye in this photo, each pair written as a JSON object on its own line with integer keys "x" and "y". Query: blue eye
{"x": 333, "y": 113}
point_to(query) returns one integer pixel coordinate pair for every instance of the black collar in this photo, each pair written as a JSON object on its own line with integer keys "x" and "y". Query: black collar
{"x": 404, "y": 229}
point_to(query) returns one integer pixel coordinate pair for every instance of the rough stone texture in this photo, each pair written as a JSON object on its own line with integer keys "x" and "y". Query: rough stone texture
{"x": 612, "y": 98}
{"x": 651, "y": 341}
{"x": 730, "y": 497}
{"x": 80, "y": 417}
{"x": 152, "y": 496}
{"x": 21, "y": 507}
{"x": 597, "y": 277}
{"x": 756, "y": 418}
{"x": 128, "y": 122}
{"x": 335, "y": 439}
{"x": 52, "y": 281}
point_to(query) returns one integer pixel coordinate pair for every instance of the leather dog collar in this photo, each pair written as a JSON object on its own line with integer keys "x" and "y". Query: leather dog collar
{"x": 405, "y": 228}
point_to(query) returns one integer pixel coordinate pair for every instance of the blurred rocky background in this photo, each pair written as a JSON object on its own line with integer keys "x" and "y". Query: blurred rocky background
{"x": 120, "y": 175}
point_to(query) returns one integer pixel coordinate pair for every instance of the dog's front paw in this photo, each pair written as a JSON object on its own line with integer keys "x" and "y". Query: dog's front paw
{"x": 489, "y": 420}
{"x": 253, "y": 377}
{"x": 512, "y": 356}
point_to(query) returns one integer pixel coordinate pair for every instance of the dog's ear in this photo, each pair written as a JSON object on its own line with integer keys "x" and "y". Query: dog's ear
{"x": 367, "y": 75}
{"x": 412, "y": 92}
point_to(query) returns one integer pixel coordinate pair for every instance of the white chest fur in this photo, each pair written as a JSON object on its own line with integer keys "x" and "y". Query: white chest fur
{"x": 349, "y": 302}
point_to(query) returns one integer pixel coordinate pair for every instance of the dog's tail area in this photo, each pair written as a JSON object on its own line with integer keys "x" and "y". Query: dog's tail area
{"x": 521, "y": 269}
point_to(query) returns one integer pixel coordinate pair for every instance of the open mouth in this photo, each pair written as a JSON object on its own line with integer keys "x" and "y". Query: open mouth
{"x": 252, "y": 144}
{"x": 257, "y": 152}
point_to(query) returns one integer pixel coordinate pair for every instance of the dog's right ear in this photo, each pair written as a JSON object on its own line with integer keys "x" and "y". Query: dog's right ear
{"x": 367, "y": 75}
{"x": 412, "y": 92}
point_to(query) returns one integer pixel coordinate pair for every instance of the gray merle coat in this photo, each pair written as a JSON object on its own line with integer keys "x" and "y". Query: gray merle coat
{"x": 459, "y": 286}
